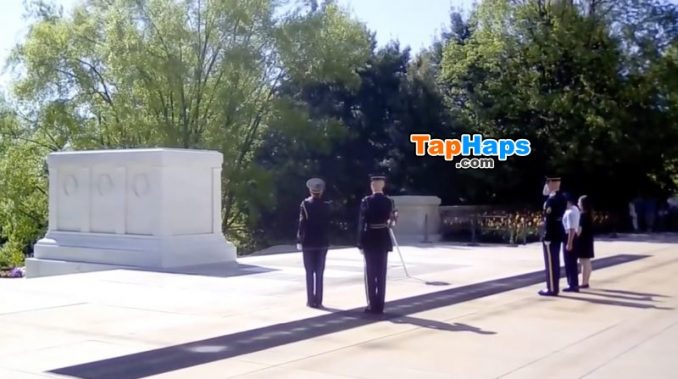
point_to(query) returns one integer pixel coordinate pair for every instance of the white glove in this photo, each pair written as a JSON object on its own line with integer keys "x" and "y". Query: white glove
{"x": 298, "y": 246}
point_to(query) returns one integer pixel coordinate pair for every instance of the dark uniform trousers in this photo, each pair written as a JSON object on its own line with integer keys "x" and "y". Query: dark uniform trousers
{"x": 552, "y": 263}
{"x": 376, "y": 262}
{"x": 314, "y": 263}
{"x": 571, "y": 267}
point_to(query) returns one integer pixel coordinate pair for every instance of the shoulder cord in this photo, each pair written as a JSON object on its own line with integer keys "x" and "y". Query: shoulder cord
{"x": 303, "y": 208}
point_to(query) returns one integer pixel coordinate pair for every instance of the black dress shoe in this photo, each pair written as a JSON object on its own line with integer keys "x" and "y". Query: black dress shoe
{"x": 547, "y": 293}
{"x": 570, "y": 289}
{"x": 584, "y": 286}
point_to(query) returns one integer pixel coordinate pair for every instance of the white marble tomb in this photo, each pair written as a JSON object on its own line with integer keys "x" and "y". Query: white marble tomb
{"x": 145, "y": 208}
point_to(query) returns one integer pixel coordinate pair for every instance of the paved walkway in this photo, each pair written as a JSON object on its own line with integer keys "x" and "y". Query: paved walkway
{"x": 466, "y": 313}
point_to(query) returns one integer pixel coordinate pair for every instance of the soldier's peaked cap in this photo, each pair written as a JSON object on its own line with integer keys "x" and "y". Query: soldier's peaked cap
{"x": 377, "y": 176}
{"x": 552, "y": 178}
{"x": 315, "y": 185}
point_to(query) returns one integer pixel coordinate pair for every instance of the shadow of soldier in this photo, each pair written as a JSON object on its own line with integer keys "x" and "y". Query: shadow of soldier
{"x": 620, "y": 298}
{"x": 630, "y": 293}
{"x": 438, "y": 325}
{"x": 619, "y": 303}
{"x": 415, "y": 321}
{"x": 617, "y": 295}
{"x": 435, "y": 283}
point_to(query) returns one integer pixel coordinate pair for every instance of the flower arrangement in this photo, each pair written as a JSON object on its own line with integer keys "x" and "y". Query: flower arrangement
{"x": 511, "y": 226}
{"x": 16, "y": 272}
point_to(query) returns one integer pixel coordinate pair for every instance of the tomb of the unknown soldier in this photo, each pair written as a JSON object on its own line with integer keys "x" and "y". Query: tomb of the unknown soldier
{"x": 144, "y": 208}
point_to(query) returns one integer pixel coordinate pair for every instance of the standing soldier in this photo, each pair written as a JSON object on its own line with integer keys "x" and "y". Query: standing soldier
{"x": 313, "y": 240}
{"x": 377, "y": 213}
{"x": 553, "y": 235}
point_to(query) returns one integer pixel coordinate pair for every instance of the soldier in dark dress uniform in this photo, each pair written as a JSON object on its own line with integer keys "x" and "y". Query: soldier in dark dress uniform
{"x": 313, "y": 240}
{"x": 553, "y": 235}
{"x": 377, "y": 213}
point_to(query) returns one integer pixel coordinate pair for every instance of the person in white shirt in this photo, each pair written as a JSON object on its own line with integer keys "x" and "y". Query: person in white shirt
{"x": 634, "y": 216}
{"x": 571, "y": 224}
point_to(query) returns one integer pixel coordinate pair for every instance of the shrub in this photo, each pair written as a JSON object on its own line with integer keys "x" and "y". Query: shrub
{"x": 11, "y": 254}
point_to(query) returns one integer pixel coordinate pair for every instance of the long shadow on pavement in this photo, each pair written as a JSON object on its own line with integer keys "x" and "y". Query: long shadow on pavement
{"x": 619, "y": 298}
{"x": 190, "y": 354}
{"x": 618, "y": 303}
{"x": 631, "y": 293}
{"x": 416, "y": 321}
{"x": 437, "y": 325}
{"x": 599, "y": 293}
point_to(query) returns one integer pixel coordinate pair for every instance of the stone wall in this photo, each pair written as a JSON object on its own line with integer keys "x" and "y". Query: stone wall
{"x": 418, "y": 218}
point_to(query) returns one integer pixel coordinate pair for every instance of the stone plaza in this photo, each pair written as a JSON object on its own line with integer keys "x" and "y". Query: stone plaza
{"x": 465, "y": 312}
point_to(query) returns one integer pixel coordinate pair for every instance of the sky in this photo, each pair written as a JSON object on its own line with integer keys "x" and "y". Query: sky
{"x": 408, "y": 21}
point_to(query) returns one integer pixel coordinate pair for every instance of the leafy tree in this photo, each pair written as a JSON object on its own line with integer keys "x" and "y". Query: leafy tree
{"x": 559, "y": 74}
{"x": 396, "y": 98}
{"x": 191, "y": 74}
{"x": 23, "y": 185}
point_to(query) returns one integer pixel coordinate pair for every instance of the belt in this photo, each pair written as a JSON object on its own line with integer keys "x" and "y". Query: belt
{"x": 377, "y": 226}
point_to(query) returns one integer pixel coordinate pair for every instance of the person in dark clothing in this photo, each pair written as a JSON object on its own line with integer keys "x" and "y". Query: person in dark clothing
{"x": 377, "y": 214}
{"x": 553, "y": 235}
{"x": 584, "y": 240}
{"x": 313, "y": 240}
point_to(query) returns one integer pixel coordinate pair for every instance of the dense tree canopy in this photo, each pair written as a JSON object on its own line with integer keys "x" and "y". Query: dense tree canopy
{"x": 288, "y": 90}
{"x": 578, "y": 79}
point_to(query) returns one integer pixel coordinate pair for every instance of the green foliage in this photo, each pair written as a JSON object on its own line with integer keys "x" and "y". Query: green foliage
{"x": 191, "y": 74}
{"x": 560, "y": 75}
{"x": 23, "y": 189}
{"x": 310, "y": 50}
{"x": 396, "y": 97}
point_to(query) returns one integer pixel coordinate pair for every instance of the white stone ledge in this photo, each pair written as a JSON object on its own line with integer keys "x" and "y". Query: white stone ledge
{"x": 416, "y": 200}
{"x": 154, "y": 156}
